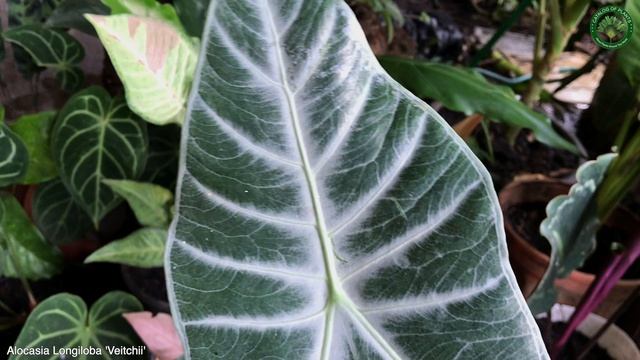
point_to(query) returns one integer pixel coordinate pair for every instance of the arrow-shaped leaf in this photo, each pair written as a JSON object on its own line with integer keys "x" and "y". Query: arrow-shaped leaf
{"x": 326, "y": 213}
{"x": 97, "y": 137}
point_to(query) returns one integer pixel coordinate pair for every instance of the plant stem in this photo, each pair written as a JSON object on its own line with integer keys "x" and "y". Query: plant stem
{"x": 621, "y": 309}
{"x": 599, "y": 289}
{"x": 535, "y": 85}
{"x": 27, "y": 288}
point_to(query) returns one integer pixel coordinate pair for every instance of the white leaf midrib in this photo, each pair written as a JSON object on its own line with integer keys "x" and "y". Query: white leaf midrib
{"x": 336, "y": 294}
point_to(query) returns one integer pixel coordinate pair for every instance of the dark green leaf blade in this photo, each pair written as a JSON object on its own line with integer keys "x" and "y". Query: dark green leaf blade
{"x": 143, "y": 248}
{"x": 468, "y": 92}
{"x": 23, "y": 250}
{"x": 326, "y": 213}
{"x": 70, "y": 14}
{"x": 63, "y": 321}
{"x": 14, "y": 157}
{"x": 95, "y": 138}
{"x": 34, "y": 131}
{"x": 192, "y": 13}
{"x": 60, "y": 219}
{"x": 51, "y": 48}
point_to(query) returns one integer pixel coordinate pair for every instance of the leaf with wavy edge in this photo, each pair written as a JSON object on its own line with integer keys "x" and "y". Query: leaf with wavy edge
{"x": 14, "y": 157}
{"x": 154, "y": 61}
{"x": 53, "y": 49}
{"x": 63, "y": 321}
{"x": 324, "y": 211}
{"x": 60, "y": 219}
{"x": 23, "y": 250}
{"x": 97, "y": 137}
{"x": 570, "y": 227}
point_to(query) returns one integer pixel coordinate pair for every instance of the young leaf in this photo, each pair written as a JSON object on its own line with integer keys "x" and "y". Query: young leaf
{"x": 52, "y": 49}
{"x": 60, "y": 219}
{"x": 23, "y": 250}
{"x": 144, "y": 248}
{"x": 154, "y": 61}
{"x": 571, "y": 226}
{"x": 63, "y": 321}
{"x": 193, "y": 14}
{"x": 468, "y": 92}
{"x": 151, "y": 203}
{"x": 34, "y": 130}
{"x": 150, "y": 9}
{"x": 70, "y": 14}
{"x": 96, "y": 137}
{"x": 324, "y": 212}
{"x": 14, "y": 158}
{"x": 158, "y": 333}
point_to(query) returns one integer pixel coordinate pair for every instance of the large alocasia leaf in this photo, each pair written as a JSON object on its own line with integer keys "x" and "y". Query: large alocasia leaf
{"x": 469, "y": 92}
{"x": 571, "y": 226}
{"x": 325, "y": 212}
{"x": 97, "y": 137}
{"x": 63, "y": 321}
{"x": 155, "y": 61}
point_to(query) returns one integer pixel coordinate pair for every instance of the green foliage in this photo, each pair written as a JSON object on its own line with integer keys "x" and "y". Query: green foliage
{"x": 467, "y": 91}
{"x": 14, "y": 158}
{"x": 316, "y": 193}
{"x": 193, "y": 14}
{"x": 628, "y": 57}
{"x": 97, "y": 137}
{"x": 388, "y": 10}
{"x": 34, "y": 131}
{"x": 144, "y": 248}
{"x": 164, "y": 152}
{"x": 611, "y": 27}
{"x": 151, "y": 203}
{"x": 571, "y": 226}
{"x": 70, "y": 14}
{"x": 24, "y": 253}
{"x": 62, "y": 321}
{"x": 155, "y": 62}
{"x": 60, "y": 219}
{"x": 51, "y": 48}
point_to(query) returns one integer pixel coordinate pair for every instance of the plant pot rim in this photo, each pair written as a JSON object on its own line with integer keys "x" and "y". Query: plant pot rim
{"x": 615, "y": 340}
{"x": 507, "y": 199}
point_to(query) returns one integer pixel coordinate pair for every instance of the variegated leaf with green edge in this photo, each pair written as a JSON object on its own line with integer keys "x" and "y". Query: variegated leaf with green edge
{"x": 97, "y": 137}
{"x": 60, "y": 219}
{"x": 23, "y": 250}
{"x": 469, "y": 92}
{"x": 151, "y": 9}
{"x": 151, "y": 203}
{"x": 570, "y": 227}
{"x": 326, "y": 213}
{"x": 51, "y": 48}
{"x": 144, "y": 248}
{"x": 34, "y": 131}
{"x": 63, "y": 321}
{"x": 14, "y": 157}
{"x": 155, "y": 62}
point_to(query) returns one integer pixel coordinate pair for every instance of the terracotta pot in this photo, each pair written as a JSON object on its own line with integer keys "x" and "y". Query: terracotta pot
{"x": 614, "y": 341}
{"x": 529, "y": 264}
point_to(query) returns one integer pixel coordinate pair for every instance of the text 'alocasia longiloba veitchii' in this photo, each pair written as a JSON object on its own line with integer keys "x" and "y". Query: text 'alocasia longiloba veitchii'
{"x": 324, "y": 212}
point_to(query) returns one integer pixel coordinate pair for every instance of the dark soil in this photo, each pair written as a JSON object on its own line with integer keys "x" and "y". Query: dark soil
{"x": 525, "y": 156}
{"x": 149, "y": 286}
{"x": 574, "y": 346}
